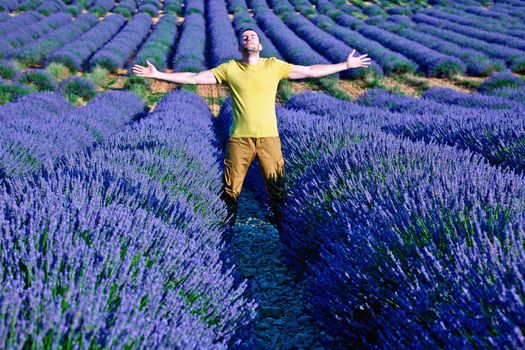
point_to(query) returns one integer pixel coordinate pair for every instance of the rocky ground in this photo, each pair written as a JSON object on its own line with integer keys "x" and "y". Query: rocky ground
{"x": 283, "y": 321}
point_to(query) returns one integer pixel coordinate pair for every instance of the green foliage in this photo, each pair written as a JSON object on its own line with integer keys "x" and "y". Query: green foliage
{"x": 149, "y": 11}
{"x": 284, "y": 90}
{"x": 154, "y": 97}
{"x": 447, "y": 70}
{"x": 134, "y": 80}
{"x": 74, "y": 10}
{"x": 76, "y": 88}
{"x": 173, "y": 8}
{"x": 138, "y": 85}
{"x": 123, "y": 11}
{"x": 501, "y": 80}
{"x": 58, "y": 71}
{"x": 40, "y": 80}
{"x": 7, "y": 70}
{"x": 151, "y": 2}
{"x": 468, "y": 84}
{"x": 420, "y": 84}
{"x": 10, "y": 92}
{"x": 373, "y": 81}
{"x": 219, "y": 100}
{"x": 189, "y": 87}
{"x": 331, "y": 85}
{"x": 98, "y": 11}
{"x": 100, "y": 77}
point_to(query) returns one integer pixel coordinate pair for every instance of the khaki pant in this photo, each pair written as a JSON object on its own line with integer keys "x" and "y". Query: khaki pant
{"x": 240, "y": 152}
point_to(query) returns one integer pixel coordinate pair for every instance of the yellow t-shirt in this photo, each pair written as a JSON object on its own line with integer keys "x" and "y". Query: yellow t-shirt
{"x": 253, "y": 88}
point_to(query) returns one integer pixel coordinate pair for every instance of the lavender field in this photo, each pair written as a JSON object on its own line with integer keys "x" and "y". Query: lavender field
{"x": 404, "y": 223}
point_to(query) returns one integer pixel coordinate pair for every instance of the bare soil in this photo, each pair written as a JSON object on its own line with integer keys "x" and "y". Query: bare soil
{"x": 214, "y": 92}
{"x": 354, "y": 88}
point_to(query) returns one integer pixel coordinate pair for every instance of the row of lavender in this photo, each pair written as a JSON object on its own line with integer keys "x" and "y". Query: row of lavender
{"x": 120, "y": 244}
{"x": 15, "y": 83}
{"x": 396, "y": 45}
{"x": 100, "y": 8}
{"x": 40, "y": 128}
{"x": 437, "y": 50}
{"x": 405, "y": 243}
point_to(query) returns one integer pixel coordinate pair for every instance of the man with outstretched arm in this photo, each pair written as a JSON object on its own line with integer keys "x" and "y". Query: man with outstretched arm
{"x": 253, "y": 82}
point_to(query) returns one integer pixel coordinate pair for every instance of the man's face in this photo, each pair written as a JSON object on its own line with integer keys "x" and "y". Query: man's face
{"x": 250, "y": 41}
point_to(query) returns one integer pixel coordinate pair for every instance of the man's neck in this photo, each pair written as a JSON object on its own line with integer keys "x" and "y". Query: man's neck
{"x": 250, "y": 58}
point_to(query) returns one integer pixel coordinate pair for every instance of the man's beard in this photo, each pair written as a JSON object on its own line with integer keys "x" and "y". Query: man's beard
{"x": 250, "y": 49}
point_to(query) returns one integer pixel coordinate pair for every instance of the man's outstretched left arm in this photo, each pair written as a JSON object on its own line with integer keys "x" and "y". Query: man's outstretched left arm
{"x": 321, "y": 70}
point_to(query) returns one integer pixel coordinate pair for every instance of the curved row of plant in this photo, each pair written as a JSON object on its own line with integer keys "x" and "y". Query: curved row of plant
{"x": 190, "y": 54}
{"x": 25, "y": 35}
{"x": 401, "y": 244}
{"x": 76, "y": 54}
{"x": 496, "y": 135}
{"x": 159, "y": 45}
{"x": 42, "y": 127}
{"x": 37, "y": 51}
{"x": 223, "y": 40}
{"x": 115, "y": 53}
{"x": 131, "y": 255}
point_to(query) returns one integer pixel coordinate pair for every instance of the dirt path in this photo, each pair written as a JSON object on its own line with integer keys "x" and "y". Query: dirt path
{"x": 283, "y": 321}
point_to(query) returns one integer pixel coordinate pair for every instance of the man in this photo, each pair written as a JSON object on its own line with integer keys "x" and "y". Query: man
{"x": 252, "y": 82}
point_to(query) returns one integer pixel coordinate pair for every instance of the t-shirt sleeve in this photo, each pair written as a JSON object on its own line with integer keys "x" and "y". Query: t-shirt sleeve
{"x": 283, "y": 68}
{"x": 221, "y": 72}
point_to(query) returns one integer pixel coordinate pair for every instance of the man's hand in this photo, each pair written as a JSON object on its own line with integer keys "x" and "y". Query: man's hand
{"x": 147, "y": 72}
{"x": 357, "y": 62}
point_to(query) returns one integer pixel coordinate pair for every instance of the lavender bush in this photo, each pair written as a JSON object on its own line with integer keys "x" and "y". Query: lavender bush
{"x": 517, "y": 95}
{"x": 364, "y": 221}
{"x": 499, "y": 80}
{"x": 38, "y": 79}
{"x": 333, "y": 49}
{"x": 191, "y": 48}
{"x": 126, "y": 8}
{"x": 26, "y": 35}
{"x": 75, "y": 54}
{"x": 223, "y": 40}
{"x": 477, "y": 64}
{"x": 515, "y": 59}
{"x": 491, "y": 37}
{"x": 431, "y": 62}
{"x": 8, "y": 6}
{"x": 468, "y": 100}
{"x": 23, "y": 19}
{"x": 150, "y": 9}
{"x": 10, "y": 92}
{"x": 39, "y": 137}
{"x": 78, "y": 87}
{"x": 394, "y": 239}
{"x": 193, "y": 6}
{"x": 7, "y": 69}
{"x": 285, "y": 39}
{"x": 49, "y": 7}
{"x": 390, "y": 62}
{"x": 36, "y": 52}
{"x": 480, "y": 23}
{"x": 149, "y": 250}
{"x": 101, "y": 7}
{"x": 115, "y": 53}
{"x": 158, "y": 47}
{"x": 173, "y": 6}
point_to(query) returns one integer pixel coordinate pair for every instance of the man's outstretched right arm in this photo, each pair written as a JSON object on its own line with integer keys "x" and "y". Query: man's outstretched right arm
{"x": 204, "y": 77}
